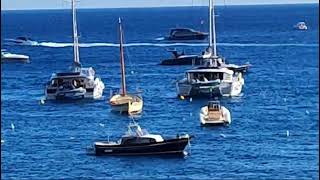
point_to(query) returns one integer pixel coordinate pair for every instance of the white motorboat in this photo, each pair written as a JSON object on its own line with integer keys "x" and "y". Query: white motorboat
{"x": 125, "y": 102}
{"x": 80, "y": 82}
{"x": 10, "y": 57}
{"x": 22, "y": 41}
{"x": 301, "y": 26}
{"x": 214, "y": 114}
{"x": 210, "y": 82}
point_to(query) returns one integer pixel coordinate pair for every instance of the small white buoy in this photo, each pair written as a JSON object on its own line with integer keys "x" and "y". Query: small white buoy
{"x": 222, "y": 135}
{"x": 190, "y": 99}
{"x": 12, "y": 126}
{"x": 2, "y": 141}
{"x": 285, "y": 99}
{"x": 307, "y": 112}
{"x": 71, "y": 137}
{"x": 100, "y": 124}
{"x": 132, "y": 72}
{"x": 288, "y": 134}
{"x": 181, "y": 97}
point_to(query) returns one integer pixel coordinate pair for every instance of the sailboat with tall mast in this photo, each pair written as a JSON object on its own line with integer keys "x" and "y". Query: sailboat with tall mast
{"x": 213, "y": 78}
{"x": 79, "y": 82}
{"x": 125, "y": 102}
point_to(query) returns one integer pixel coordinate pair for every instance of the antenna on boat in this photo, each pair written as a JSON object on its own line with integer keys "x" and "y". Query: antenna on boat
{"x": 77, "y": 63}
{"x": 123, "y": 77}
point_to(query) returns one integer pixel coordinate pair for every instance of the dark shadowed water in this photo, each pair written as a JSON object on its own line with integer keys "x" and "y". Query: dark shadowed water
{"x": 280, "y": 94}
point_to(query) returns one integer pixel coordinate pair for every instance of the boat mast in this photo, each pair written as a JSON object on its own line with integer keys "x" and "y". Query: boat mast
{"x": 210, "y": 24}
{"x": 75, "y": 37}
{"x": 212, "y": 29}
{"x": 123, "y": 76}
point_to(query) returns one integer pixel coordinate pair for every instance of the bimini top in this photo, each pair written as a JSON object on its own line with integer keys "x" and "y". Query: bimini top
{"x": 214, "y": 105}
{"x": 210, "y": 70}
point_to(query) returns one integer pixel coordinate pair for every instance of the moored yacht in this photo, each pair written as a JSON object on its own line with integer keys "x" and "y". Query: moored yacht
{"x": 78, "y": 83}
{"x": 186, "y": 34}
{"x": 210, "y": 54}
{"x": 214, "y": 114}
{"x": 138, "y": 141}
{"x": 130, "y": 103}
{"x": 10, "y": 57}
{"x": 210, "y": 82}
{"x": 22, "y": 41}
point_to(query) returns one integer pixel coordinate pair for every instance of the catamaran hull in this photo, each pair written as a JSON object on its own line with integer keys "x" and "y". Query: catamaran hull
{"x": 174, "y": 146}
{"x": 209, "y": 90}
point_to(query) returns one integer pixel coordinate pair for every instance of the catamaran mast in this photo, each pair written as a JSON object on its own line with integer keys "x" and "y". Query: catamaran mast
{"x": 123, "y": 76}
{"x": 75, "y": 36}
{"x": 212, "y": 29}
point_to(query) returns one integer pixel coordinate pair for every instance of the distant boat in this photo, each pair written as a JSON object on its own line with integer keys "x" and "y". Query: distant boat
{"x": 10, "y": 57}
{"x": 214, "y": 114}
{"x": 79, "y": 83}
{"x": 301, "y": 26}
{"x": 138, "y": 141}
{"x": 124, "y": 102}
{"x": 186, "y": 34}
{"x": 182, "y": 59}
{"x": 22, "y": 41}
{"x": 210, "y": 54}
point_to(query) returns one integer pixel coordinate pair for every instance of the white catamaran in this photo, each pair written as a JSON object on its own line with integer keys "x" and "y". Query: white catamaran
{"x": 214, "y": 78}
{"x": 79, "y": 83}
{"x": 124, "y": 102}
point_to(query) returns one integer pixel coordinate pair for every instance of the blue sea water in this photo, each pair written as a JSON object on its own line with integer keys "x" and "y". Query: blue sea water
{"x": 280, "y": 95}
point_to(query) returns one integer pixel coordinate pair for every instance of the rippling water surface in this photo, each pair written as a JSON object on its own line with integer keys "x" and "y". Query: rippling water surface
{"x": 281, "y": 94}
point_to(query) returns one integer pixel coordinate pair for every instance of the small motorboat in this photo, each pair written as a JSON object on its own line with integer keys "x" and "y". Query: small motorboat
{"x": 186, "y": 34}
{"x": 182, "y": 59}
{"x": 23, "y": 41}
{"x": 138, "y": 141}
{"x": 10, "y": 57}
{"x": 214, "y": 114}
{"x": 301, "y": 26}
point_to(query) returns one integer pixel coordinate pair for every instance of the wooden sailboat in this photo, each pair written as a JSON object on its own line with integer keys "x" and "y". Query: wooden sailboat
{"x": 124, "y": 102}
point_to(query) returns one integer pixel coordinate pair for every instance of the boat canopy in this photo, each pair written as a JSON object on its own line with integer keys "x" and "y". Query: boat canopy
{"x": 134, "y": 130}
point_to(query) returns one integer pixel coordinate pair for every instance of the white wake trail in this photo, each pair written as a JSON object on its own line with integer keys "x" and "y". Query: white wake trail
{"x": 56, "y": 44}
